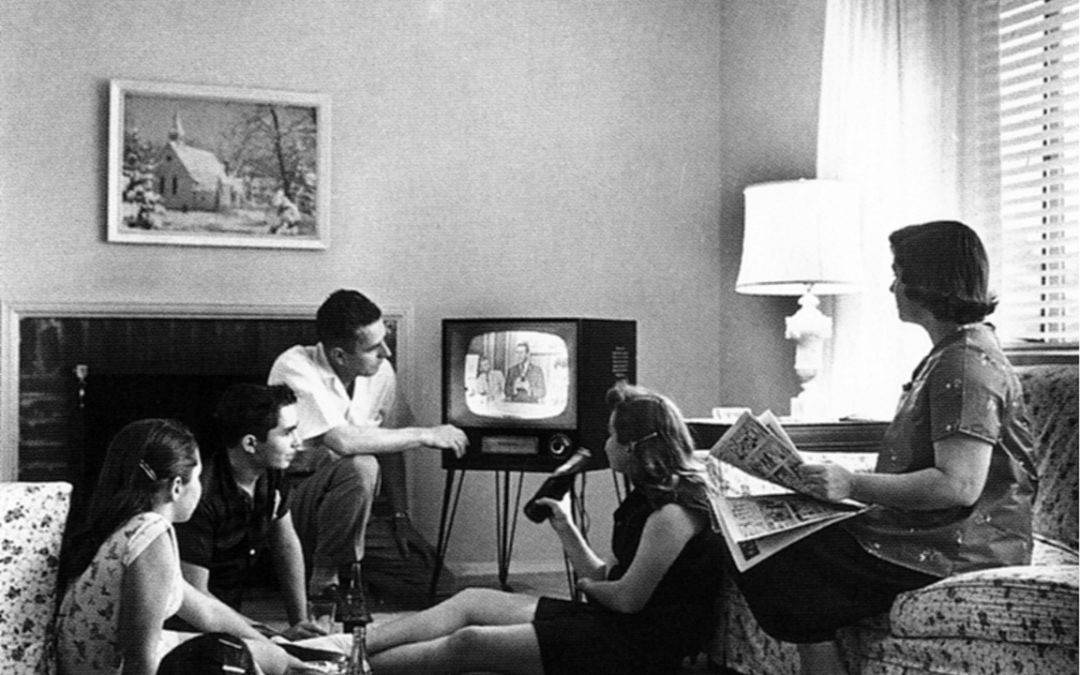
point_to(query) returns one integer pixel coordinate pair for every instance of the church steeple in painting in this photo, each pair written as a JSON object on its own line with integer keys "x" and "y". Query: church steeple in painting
{"x": 177, "y": 133}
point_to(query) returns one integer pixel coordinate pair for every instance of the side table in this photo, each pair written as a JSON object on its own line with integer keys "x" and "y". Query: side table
{"x": 838, "y": 436}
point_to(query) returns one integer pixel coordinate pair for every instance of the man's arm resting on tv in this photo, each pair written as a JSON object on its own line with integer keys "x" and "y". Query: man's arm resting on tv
{"x": 350, "y": 439}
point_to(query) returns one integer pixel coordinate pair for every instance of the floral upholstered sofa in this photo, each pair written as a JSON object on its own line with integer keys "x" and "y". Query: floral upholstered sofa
{"x": 1018, "y": 620}
{"x": 32, "y": 518}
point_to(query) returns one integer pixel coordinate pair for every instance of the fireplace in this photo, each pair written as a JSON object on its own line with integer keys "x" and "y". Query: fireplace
{"x": 82, "y": 378}
{"x": 86, "y": 370}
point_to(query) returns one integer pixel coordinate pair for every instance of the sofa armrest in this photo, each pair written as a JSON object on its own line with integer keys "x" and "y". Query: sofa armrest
{"x": 1020, "y": 604}
{"x": 32, "y": 520}
{"x": 1048, "y": 551}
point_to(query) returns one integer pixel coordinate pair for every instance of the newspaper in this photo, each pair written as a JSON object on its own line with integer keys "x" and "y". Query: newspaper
{"x": 757, "y": 525}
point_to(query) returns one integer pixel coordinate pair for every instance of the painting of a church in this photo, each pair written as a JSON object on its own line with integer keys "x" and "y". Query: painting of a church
{"x": 190, "y": 178}
{"x": 215, "y": 166}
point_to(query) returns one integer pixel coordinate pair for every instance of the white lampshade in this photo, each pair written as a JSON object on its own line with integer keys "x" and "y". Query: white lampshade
{"x": 801, "y": 234}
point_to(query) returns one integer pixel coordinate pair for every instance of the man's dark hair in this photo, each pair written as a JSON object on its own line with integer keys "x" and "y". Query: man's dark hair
{"x": 944, "y": 268}
{"x": 341, "y": 315}
{"x": 251, "y": 409}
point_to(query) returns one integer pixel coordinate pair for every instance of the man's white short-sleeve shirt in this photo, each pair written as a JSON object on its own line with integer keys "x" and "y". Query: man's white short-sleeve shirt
{"x": 322, "y": 401}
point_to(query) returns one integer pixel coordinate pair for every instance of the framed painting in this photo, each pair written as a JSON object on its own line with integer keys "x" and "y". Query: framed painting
{"x": 218, "y": 166}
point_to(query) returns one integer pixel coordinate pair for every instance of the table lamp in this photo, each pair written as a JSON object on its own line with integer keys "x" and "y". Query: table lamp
{"x": 802, "y": 238}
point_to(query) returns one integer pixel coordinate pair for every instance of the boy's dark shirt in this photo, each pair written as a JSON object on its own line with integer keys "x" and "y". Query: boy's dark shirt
{"x": 229, "y": 530}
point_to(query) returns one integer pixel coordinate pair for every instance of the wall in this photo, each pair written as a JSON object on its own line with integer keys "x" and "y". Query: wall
{"x": 488, "y": 158}
{"x": 772, "y": 63}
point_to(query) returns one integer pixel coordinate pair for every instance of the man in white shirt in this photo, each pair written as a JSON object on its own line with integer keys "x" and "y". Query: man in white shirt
{"x": 347, "y": 392}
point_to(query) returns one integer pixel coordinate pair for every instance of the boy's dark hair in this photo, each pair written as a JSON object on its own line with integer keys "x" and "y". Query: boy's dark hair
{"x": 944, "y": 268}
{"x": 341, "y": 315}
{"x": 251, "y": 409}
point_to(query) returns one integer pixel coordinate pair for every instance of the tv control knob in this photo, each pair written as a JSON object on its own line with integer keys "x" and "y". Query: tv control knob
{"x": 560, "y": 445}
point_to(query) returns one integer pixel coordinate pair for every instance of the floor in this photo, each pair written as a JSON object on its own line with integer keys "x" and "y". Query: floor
{"x": 264, "y": 604}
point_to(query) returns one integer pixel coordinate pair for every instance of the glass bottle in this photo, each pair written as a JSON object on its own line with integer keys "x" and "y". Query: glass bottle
{"x": 358, "y": 660}
{"x": 355, "y": 609}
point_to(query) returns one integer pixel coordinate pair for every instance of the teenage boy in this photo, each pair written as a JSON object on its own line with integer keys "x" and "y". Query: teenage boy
{"x": 244, "y": 508}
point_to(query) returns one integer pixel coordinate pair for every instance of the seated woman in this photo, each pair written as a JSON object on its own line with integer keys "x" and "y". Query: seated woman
{"x": 646, "y": 609}
{"x": 953, "y": 485}
{"x": 122, "y": 569}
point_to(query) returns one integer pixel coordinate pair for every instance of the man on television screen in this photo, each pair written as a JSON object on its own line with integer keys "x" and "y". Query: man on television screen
{"x": 525, "y": 380}
{"x": 349, "y": 414}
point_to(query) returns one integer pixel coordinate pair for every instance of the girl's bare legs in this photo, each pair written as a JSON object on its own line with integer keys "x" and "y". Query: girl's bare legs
{"x": 502, "y": 649}
{"x": 470, "y": 607}
{"x": 821, "y": 658}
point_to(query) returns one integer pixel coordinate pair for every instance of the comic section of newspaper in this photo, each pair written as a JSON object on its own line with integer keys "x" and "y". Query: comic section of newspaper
{"x": 757, "y": 494}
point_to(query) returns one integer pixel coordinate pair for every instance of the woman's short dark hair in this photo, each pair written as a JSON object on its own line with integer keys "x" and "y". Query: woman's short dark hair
{"x": 253, "y": 409}
{"x": 342, "y": 314}
{"x": 944, "y": 268}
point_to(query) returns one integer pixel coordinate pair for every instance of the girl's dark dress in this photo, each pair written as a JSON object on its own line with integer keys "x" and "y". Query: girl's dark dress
{"x": 577, "y": 638}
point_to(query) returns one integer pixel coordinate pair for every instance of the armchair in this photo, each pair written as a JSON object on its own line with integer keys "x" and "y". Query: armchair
{"x": 1019, "y": 620}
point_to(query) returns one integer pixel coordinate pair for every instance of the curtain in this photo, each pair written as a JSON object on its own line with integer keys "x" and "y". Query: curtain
{"x": 898, "y": 77}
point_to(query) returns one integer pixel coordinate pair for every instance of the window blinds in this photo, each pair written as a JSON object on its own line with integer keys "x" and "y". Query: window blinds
{"x": 1037, "y": 119}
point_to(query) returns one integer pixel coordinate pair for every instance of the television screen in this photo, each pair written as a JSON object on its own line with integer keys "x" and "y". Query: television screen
{"x": 516, "y": 375}
{"x": 529, "y": 392}
{"x": 510, "y": 374}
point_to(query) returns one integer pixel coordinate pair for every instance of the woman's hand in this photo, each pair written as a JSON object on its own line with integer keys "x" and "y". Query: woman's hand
{"x": 560, "y": 517}
{"x": 582, "y": 585}
{"x": 830, "y": 482}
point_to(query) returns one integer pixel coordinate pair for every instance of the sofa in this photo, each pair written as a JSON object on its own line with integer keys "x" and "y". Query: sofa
{"x": 32, "y": 519}
{"x": 1018, "y": 620}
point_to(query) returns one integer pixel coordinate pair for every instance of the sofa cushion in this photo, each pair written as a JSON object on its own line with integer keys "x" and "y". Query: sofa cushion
{"x": 1051, "y": 394}
{"x": 1022, "y": 604}
{"x": 1049, "y": 551}
{"x": 878, "y": 655}
{"x": 32, "y": 519}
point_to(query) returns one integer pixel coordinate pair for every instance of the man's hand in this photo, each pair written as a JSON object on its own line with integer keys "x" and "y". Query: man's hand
{"x": 447, "y": 437}
{"x": 827, "y": 481}
{"x": 302, "y": 631}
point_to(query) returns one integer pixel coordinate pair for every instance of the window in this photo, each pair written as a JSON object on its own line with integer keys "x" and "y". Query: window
{"x": 1037, "y": 120}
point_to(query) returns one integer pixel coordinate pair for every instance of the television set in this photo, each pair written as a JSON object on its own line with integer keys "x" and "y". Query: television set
{"x": 530, "y": 392}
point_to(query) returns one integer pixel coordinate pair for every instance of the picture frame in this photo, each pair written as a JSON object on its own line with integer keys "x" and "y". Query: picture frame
{"x": 195, "y": 165}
